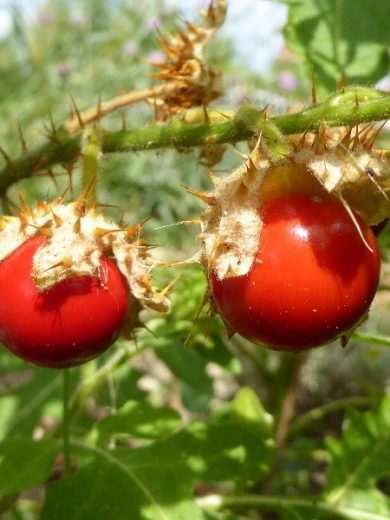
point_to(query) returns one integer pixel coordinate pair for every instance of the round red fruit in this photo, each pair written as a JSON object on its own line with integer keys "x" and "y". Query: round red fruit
{"x": 312, "y": 280}
{"x": 69, "y": 324}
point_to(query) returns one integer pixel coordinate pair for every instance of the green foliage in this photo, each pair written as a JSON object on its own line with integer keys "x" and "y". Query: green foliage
{"x": 140, "y": 421}
{"x": 157, "y": 481}
{"x": 340, "y": 38}
{"x": 15, "y": 474}
{"x": 359, "y": 460}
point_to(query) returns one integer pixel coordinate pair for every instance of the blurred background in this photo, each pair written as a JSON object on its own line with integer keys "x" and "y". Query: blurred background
{"x": 50, "y": 49}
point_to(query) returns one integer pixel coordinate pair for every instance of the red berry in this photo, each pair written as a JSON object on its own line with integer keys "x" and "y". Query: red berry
{"x": 69, "y": 324}
{"x": 312, "y": 280}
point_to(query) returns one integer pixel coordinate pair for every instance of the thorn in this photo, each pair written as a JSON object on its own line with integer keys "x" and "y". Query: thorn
{"x": 50, "y": 173}
{"x": 313, "y": 87}
{"x": 142, "y": 325}
{"x": 356, "y": 99}
{"x": 104, "y": 205}
{"x": 346, "y": 140}
{"x": 21, "y": 137}
{"x": 205, "y": 113}
{"x": 40, "y": 164}
{"x": 53, "y": 129}
{"x": 135, "y": 230}
{"x": 319, "y": 143}
{"x": 69, "y": 171}
{"x": 77, "y": 225}
{"x": 167, "y": 288}
{"x": 302, "y": 140}
{"x": 57, "y": 220}
{"x": 59, "y": 200}
{"x": 180, "y": 223}
{"x": 45, "y": 231}
{"x": 24, "y": 207}
{"x": 371, "y": 141}
{"x": 65, "y": 262}
{"x": 123, "y": 118}
{"x": 222, "y": 114}
{"x": 7, "y": 158}
{"x": 230, "y": 332}
{"x": 364, "y": 132}
{"x": 99, "y": 105}
{"x": 207, "y": 198}
{"x": 87, "y": 190}
{"x": 240, "y": 154}
{"x": 205, "y": 300}
{"x": 341, "y": 82}
{"x": 77, "y": 112}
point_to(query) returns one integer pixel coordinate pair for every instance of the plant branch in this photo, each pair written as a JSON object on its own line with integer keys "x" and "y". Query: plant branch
{"x": 106, "y": 107}
{"x": 306, "y": 420}
{"x": 348, "y": 108}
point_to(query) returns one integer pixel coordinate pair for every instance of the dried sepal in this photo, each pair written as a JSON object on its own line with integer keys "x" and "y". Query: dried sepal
{"x": 347, "y": 165}
{"x": 184, "y": 67}
{"x": 76, "y": 239}
{"x": 231, "y": 225}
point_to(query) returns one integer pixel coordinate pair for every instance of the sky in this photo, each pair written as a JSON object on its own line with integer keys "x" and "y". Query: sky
{"x": 258, "y": 48}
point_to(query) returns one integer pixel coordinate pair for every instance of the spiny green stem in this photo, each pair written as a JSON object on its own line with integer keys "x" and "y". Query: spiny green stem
{"x": 350, "y": 107}
{"x": 311, "y": 505}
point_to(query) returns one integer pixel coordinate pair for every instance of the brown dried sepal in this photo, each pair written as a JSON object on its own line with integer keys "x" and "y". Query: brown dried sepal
{"x": 196, "y": 84}
{"x": 76, "y": 239}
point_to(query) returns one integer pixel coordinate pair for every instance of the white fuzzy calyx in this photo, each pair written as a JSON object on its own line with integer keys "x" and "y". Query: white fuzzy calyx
{"x": 348, "y": 167}
{"x": 76, "y": 240}
{"x": 231, "y": 225}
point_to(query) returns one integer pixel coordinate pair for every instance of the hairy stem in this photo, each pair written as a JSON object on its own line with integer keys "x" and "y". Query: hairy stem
{"x": 350, "y": 107}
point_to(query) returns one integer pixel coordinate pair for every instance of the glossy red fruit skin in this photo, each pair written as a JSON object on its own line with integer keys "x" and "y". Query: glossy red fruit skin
{"x": 312, "y": 280}
{"x": 71, "y": 323}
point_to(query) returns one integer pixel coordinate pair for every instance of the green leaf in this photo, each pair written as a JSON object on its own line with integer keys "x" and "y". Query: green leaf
{"x": 359, "y": 459}
{"x": 157, "y": 481}
{"x": 247, "y": 408}
{"x": 188, "y": 366}
{"x": 140, "y": 420}
{"x": 341, "y": 37}
{"x": 25, "y": 463}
